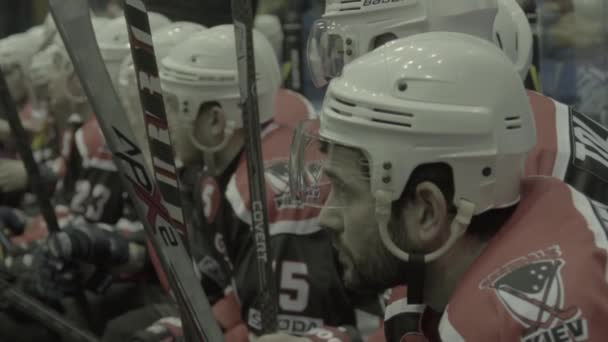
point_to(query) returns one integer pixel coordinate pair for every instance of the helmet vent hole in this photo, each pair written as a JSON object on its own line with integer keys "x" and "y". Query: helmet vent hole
{"x": 341, "y": 112}
{"x": 344, "y": 102}
{"x": 513, "y": 122}
{"x": 350, "y": 7}
{"x": 393, "y": 112}
{"x": 402, "y": 86}
{"x": 388, "y": 122}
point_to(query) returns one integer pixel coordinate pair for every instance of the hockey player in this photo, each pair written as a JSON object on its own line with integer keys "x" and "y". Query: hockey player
{"x": 424, "y": 151}
{"x": 341, "y": 36}
{"x": 99, "y": 227}
{"x": 123, "y": 327}
{"x": 16, "y": 53}
{"x": 201, "y": 87}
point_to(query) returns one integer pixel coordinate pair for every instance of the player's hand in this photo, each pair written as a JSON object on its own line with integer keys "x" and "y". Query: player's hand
{"x": 12, "y": 220}
{"x": 47, "y": 277}
{"x": 13, "y": 176}
{"x": 91, "y": 243}
{"x": 168, "y": 329}
{"x": 281, "y": 337}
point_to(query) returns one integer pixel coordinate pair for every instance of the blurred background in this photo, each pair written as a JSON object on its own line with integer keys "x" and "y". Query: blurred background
{"x": 571, "y": 39}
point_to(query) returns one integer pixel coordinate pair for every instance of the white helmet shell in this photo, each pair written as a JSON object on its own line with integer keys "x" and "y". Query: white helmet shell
{"x": 164, "y": 39}
{"x": 350, "y": 29}
{"x": 53, "y": 66}
{"x": 270, "y": 26}
{"x": 114, "y": 42}
{"x": 512, "y": 33}
{"x": 433, "y": 98}
{"x": 204, "y": 69}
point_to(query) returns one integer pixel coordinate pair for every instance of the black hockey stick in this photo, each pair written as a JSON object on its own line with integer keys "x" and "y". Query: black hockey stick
{"x": 37, "y": 183}
{"x": 292, "y": 27}
{"x": 153, "y": 106}
{"x": 74, "y": 25}
{"x": 242, "y": 15}
{"x": 155, "y": 115}
{"x": 42, "y": 314}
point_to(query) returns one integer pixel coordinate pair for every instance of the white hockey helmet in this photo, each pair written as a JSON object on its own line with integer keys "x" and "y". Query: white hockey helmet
{"x": 270, "y": 26}
{"x": 512, "y": 33}
{"x": 52, "y": 67}
{"x": 204, "y": 69}
{"x": 164, "y": 39}
{"x": 428, "y": 98}
{"x": 114, "y": 42}
{"x": 16, "y": 52}
{"x": 350, "y": 29}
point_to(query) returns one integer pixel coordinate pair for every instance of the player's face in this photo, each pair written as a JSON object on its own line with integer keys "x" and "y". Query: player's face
{"x": 349, "y": 214}
{"x": 184, "y": 150}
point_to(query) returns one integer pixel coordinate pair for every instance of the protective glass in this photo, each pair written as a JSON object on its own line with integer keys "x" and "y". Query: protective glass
{"x": 330, "y": 47}
{"x": 323, "y": 173}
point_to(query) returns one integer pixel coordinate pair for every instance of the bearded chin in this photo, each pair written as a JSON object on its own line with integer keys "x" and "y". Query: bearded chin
{"x": 378, "y": 272}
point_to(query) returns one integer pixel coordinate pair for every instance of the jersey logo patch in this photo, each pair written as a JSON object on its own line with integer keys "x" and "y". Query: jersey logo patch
{"x": 210, "y": 198}
{"x": 532, "y": 291}
{"x": 277, "y": 176}
{"x": 588, "y": 170}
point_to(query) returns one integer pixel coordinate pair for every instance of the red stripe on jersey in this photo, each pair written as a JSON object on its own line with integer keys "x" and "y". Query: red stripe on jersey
{"x": 542, "y": 158}
{"x": 535, "y": 275}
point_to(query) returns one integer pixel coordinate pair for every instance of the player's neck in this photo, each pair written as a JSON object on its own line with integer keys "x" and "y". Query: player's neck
{"x": 222, "y": 159}
{"x": 444, "y": 275}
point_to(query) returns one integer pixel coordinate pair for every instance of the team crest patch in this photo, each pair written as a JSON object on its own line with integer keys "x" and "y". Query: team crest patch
{"x": 532, "y": 291}
{"x": 277, "y": 176}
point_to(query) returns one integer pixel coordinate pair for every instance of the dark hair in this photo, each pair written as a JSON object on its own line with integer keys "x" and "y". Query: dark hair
{"x": 483, "y": 226}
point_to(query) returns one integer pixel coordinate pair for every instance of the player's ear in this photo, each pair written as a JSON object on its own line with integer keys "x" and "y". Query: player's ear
{"x": 210, "y": 121}
{"x": 425, "y": 215}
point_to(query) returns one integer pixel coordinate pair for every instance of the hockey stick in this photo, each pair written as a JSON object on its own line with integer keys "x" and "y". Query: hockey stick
{"x": 37, "y": 184}
{"x": 293, "y": 45}
{"x": 38, "y": 311}
{"x": 74, "y": 25}
{"x": 155, "y": 115}
{"x": 242, "y": 15}
{"x": 153, "y": 105}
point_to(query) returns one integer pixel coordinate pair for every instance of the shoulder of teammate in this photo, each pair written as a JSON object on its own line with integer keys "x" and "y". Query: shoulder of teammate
{"x": 527, "y": 282}
{"x": 571, "y": 146}
{"x": 283, "y": 215}
{"x": 550, "y": 116}
{"x": 92, "y": 146}
{"x": 292, "y": 107}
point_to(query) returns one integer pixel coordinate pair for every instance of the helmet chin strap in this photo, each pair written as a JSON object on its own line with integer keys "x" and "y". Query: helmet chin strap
{"x": 228, "y": 132}
{"x": 416, "y": 263}
{"x": 210, "y": 151}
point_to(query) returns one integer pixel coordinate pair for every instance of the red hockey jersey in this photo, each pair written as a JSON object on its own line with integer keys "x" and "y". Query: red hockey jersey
{"x": 570, "y": 146}
{"x": 543, "y": 277}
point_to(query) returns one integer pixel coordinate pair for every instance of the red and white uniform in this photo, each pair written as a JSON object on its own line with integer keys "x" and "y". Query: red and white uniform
{"x": 571, "y": 147}
{"x": 310, "y": 290}
{"x": 543, "y": 277}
